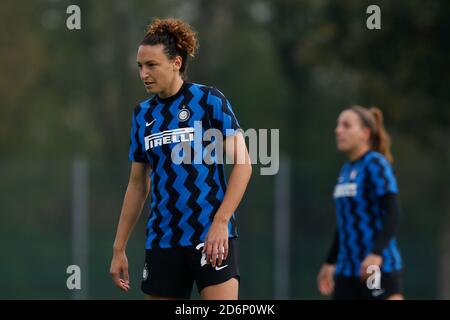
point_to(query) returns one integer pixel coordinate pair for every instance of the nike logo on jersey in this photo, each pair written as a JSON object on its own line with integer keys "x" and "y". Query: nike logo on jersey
{"x": 150, "y": 123}
{"x": 222, "y": 267}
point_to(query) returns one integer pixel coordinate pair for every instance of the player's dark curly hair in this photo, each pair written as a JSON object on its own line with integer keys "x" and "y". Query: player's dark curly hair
{"x": 177, "y": 37}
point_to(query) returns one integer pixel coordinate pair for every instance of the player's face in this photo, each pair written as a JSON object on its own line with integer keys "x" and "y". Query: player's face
{"x": 156, "y": 70}
{"x": 350, "y": 133}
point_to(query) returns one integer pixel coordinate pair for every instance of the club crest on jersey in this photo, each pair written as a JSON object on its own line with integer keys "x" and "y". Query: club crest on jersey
{"x": 183, "y": 114}
{"x": 353, "y": 174}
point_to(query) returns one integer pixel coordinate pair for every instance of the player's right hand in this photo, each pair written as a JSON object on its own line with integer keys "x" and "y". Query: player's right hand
{"x": 325, "y": 279}
{"x": 119, "y": 271}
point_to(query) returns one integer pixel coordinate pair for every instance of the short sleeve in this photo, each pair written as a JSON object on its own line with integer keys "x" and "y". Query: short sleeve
{"x": 382, "y": 176}
{"x": 136, "y": 151}
{"x": 223, "y": 117}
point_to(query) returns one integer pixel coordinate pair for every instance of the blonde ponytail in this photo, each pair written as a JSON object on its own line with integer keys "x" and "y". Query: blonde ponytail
{"x": 381, "y": 141}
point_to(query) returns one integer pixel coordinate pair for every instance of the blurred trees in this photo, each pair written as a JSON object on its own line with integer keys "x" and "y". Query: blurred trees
{"x": 300, "y": 54}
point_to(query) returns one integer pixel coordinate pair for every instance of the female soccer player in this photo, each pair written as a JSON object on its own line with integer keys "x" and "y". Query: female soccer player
{"x": 191, "y": 229}
{"x": 367, "y": 208}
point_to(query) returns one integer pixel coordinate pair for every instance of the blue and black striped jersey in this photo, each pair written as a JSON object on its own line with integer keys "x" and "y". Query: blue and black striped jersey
{"x": 360, "y": 186}
{"x": 184, "y": 196}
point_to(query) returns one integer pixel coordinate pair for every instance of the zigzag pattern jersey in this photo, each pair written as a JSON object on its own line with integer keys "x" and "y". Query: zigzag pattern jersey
{"x": 359, "y": 218}
{"x": 184, "y": 197}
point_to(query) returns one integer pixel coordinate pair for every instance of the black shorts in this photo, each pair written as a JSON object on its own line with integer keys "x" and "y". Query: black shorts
{"x": 353, "y": 288}
{"x": 171, "y": 272}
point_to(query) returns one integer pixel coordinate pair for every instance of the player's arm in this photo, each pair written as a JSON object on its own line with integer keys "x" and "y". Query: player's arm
{"x": 390, "y": 206}
{"x": 136, "y": 193}
{"x": 333, "y": 250}
{"x": 217, "y": 237}
{"x": 325, "y": 278}
{"x": 387, "y": 192}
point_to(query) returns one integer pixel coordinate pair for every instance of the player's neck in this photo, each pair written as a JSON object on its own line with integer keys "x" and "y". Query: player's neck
{"x": 173, "y": 88}
{"x": 358, "y": 152}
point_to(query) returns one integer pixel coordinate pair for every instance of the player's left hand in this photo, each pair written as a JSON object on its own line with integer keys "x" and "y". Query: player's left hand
{"x": 371, "y": 259}
{"x": 216, "y": 242}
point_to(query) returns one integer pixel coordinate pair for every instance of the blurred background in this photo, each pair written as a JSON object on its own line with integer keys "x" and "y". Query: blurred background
{"x": 66, "y": 98}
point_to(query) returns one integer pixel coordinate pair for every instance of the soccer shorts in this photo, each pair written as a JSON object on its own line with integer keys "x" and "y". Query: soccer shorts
{"x": 172, "y": 272}
{"x": 353, "y": 288}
